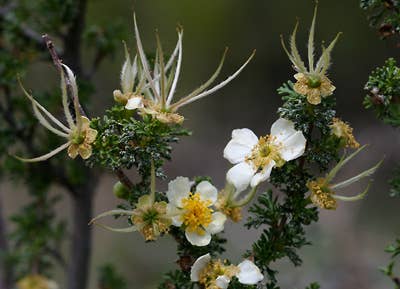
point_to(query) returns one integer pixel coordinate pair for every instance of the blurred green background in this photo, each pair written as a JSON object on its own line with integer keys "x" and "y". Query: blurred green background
{"x": 348, "y": 243}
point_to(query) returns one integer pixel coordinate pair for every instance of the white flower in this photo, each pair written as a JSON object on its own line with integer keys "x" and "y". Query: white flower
{"x": 193, "y": 210}
{"x": 216, "y": 274}
{"x": 254, "y": 157}
{"x": 249, "y": 273}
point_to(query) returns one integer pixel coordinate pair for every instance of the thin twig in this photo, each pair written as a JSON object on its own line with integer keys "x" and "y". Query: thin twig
{"x": 123, "y": 178}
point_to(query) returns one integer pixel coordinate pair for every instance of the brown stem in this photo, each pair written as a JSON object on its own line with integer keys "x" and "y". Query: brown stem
{"x": 81, "y": 239}
{"x": 73, "y": 39}
{"x": 123, "y": 178}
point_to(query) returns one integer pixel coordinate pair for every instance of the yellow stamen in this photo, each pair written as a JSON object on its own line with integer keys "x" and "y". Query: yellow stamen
{"x": 314, "y": 87}
{"x": 321, "y": 194}
{"x": 213, "y": 270}
{"x": 264, "y": 152}
{"x": 197, "y": 214}
{"x": 151, "y": 219}
{"x": 344, "y": 131}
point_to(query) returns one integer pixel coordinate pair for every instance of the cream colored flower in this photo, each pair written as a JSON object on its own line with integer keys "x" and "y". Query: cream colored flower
{"x": 78, "y": 133}
{"x": 149, "y": 217}
{"x": 161, "y": 83}
{"x": 322, "y": 191}
{"x": 314, "y": 92}
{"x": 254, "y": 158}
{"x": 312, "y": 82}
{"x": 231, "y": 201}
{"x": 193, "y": 211}
{"x": 36, "y": 281}
{"x": 81, "y": 141}
{"x": 215, "y": 274}
{"x": 344, "y": 131}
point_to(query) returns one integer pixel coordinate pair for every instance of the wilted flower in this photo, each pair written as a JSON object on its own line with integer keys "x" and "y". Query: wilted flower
{"x": 322, "y": 191}
{"x": 155, "y": 96}
{"x": 254, "y": 157}
{"x": 149, "y": 217}
{"x": 128, "y": 83}
{"x": 311, "y": 82}
{"x": 230, "y": 203}
{"x": 344, "y": 131}
{"x": 78, "y": 133}
{"x": 36, "y": 281}
{"x": 193, "y": 211}
{"x": 216, "y": 274}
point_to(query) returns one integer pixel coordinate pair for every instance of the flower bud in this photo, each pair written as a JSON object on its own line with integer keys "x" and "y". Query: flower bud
{"x": 120, "y": 191}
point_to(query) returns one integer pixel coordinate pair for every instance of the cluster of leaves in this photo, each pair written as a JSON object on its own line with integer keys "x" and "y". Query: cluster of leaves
{"x": 177, "y": 279}
{"x": 37, "y": 237}
{"x": 124, "y": 142}
{"x": 394, "y": 250}
{"x": 307, "y": 118}
{"x": 383, "y": 97}
{"x": 383, "y": 15}
{"x": 395, "y": 184}
{"x": 284, "y": 219}
{"x": 383, "y": 88}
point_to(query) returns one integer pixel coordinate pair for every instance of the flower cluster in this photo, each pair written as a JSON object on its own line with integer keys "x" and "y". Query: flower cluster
{"x": 152, "y": 92}
{"x": 194, "y": 212}
{"x": 217, "y": 274}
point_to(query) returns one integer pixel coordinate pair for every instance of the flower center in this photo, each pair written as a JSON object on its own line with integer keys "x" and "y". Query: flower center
{"x": 150, "y": 216}
{"x": 78, "y": 138}
{"x": 213, "y": 270}
{"x": 264, "y": 152}
{"x": 321, "y": 194}
{"x": 197, "y": 214}
{"x": 314, "y": 81}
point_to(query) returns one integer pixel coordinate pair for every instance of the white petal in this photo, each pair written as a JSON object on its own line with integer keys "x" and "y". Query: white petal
{"x": 134, "y": 103}
{"x": 222, "y": 282}
{"x": 127, "y": 78}
{"x": 236, "y": 152}
{"x": 263, "y": 175}
{"x": 240, "y": 175}
{"x": 242, "y": 142}
{"x": 207, "y": 192}
{"x": 293, "y": 147}
{"x": 282, "y": 129}
{"x": 198, "y": 266}
{"x": 249, "y": 273}
{"x": 175, "y": 214}
{"x": 198, "y": 240}
{"x": 178, "y": 189}
{"x": 217, "y": 224}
